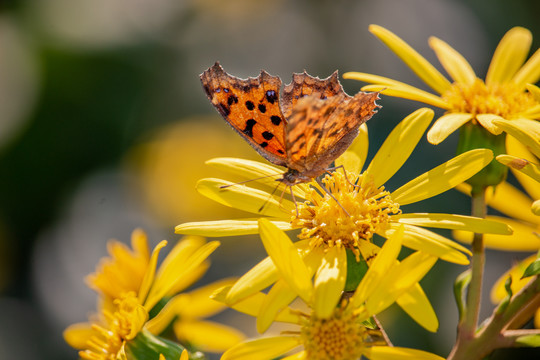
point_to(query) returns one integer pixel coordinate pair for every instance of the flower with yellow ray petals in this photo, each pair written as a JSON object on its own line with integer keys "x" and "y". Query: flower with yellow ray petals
{"x": 132, "y": 274}
{"x": 335, "y": 326}
{"x": 371, "y": 208}
{"x": 507, "y": 92}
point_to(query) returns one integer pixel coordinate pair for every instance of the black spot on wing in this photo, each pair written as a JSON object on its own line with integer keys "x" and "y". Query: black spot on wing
{"x": 262, "y": 108}
{"x": 232, "y": 100}
{"x": 223, "y": 109}
{"x": 276, "y": 120}
{"x": 249, "y": 105}
{"x": 249, "y": 127}
{"x": 267, "y": 135}
{"x": 264, "y": 144}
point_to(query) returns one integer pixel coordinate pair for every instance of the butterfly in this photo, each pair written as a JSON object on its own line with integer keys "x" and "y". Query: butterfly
{"x": 305, "y": 130}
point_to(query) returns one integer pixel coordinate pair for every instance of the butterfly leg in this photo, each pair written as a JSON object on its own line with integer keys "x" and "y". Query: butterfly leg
{"x": 294, "y": 200}
{"x": 331, "y": 195}
{"x": 344, "y": 173}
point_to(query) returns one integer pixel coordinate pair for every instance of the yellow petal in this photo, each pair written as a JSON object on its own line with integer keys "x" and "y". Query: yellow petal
{"x": 360, "y": 145}
{"x": 418, "y": 238}
{"x": 487, "y": 121}
{"x": 453, "y": 62}
{"x": 523, "y": 238}
{"x": 535, "y": 207}
{"x": 533, "y": 89}
{"x": 397, "y": 353}
{"x": 77, "y": 335}
{"x": 505, "y": 194}
{"x": 409, "y": 92}
{"x": 252, "y": 304}
{"x": 148, "y": 279}
{"x": 414, "y": 60}
{"x": 139, "y": 243}
{"x": 517, "y": 148}
{"x": 259, "y": 277}
{"x": 446, "y": 125}
{"x": 443, "y": 177}
{"x": 278, "y": 298}
{"x": 184, "y": 356}
{"x": 167, "y": 280}
{"x": 509, "y": 56}
{"x": 220, "y": 228}
{"x": 378, "y": 268}
{"x": 529, "y": 72}
{"x": 498, "y": 292}
{"x": 253, "y": 170}
{"x": 302, "y": 355}
{"x": 206, "y": 335}
{"x": 526, "y": 131}
{"x": 350, "y": 162}
{"x": 372, "y": 79}
{"x": 330, "y": 282}
{"x": 522, "y": 165}
{"x": 244, "y": 198}
{"x": 455, "y": 222}
{"x": 398, "y": 146}
{"x": 416, "y": 304}
{"x": 199, "y": 304}
{"x": 398, "y": 280}
{"x": 286, "y": 258}
{"x": 262, "y": 349}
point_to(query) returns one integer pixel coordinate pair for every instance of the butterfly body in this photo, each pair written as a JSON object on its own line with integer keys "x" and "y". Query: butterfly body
{"x": 305, "y": 130}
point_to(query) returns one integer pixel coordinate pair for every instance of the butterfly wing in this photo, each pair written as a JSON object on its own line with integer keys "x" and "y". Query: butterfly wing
{"x": 320, "y": 130}
{"x": 251, "y": 107}
{"x": 304, "y": 85}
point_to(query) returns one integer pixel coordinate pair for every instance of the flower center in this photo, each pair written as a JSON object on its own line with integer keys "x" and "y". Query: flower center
{"x": 340, "y": 337}
{"x": 324, "y": 222}
{"x": 505, "y": 100}
{"x": 122, "y": 324}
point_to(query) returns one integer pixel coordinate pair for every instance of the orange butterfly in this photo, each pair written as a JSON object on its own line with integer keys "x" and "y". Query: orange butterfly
{"x": 312, "y": 124}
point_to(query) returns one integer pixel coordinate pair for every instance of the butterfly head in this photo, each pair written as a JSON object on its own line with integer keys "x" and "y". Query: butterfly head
{"x": 293, "y": 177}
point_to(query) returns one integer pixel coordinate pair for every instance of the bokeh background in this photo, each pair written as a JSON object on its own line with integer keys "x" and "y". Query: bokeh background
{"x": 104, "y": 127}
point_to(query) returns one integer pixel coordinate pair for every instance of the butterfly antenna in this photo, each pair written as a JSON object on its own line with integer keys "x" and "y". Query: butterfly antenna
{"x": 246, "y": 181}
{"x": 331, "y": 195}
{"x": 294, "y": 200}
{"x": 269, "y": 197}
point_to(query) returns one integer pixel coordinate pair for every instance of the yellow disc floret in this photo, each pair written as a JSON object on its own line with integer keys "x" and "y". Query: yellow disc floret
{"x": 339, "y": 337}
{"x": 505, "y": 100}
{"x": 324, "y": 221}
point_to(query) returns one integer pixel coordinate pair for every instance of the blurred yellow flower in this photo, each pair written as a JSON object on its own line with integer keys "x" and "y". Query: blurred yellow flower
{"x": 172, "y": 161}
{"x": 335, "y": 327}
{"x": 131, "y": 276}
{"x": 468, "y": 98}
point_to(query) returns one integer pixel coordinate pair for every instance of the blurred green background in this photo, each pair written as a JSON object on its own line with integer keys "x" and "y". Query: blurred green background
{"x": 104, "y": 127}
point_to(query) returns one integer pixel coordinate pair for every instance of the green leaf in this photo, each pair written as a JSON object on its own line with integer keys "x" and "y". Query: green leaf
{"x": 533, "y": 269}
{"x": 461, "y": 283}
{"x": 355, "y": 271}
{"x": 529, "y": 340}
{"x": 504, "y": 303}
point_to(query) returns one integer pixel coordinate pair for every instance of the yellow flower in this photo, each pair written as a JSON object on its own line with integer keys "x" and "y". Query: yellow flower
{"x": 334, "y": 327}
{"x": 130, "y": 278}
{"x": 371, "y": 209}
{"x": 520, "y": 207}
{"x": 468, "y": 98}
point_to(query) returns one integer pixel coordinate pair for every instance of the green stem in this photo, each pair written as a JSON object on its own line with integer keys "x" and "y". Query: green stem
{"x": 477, "y": 265}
